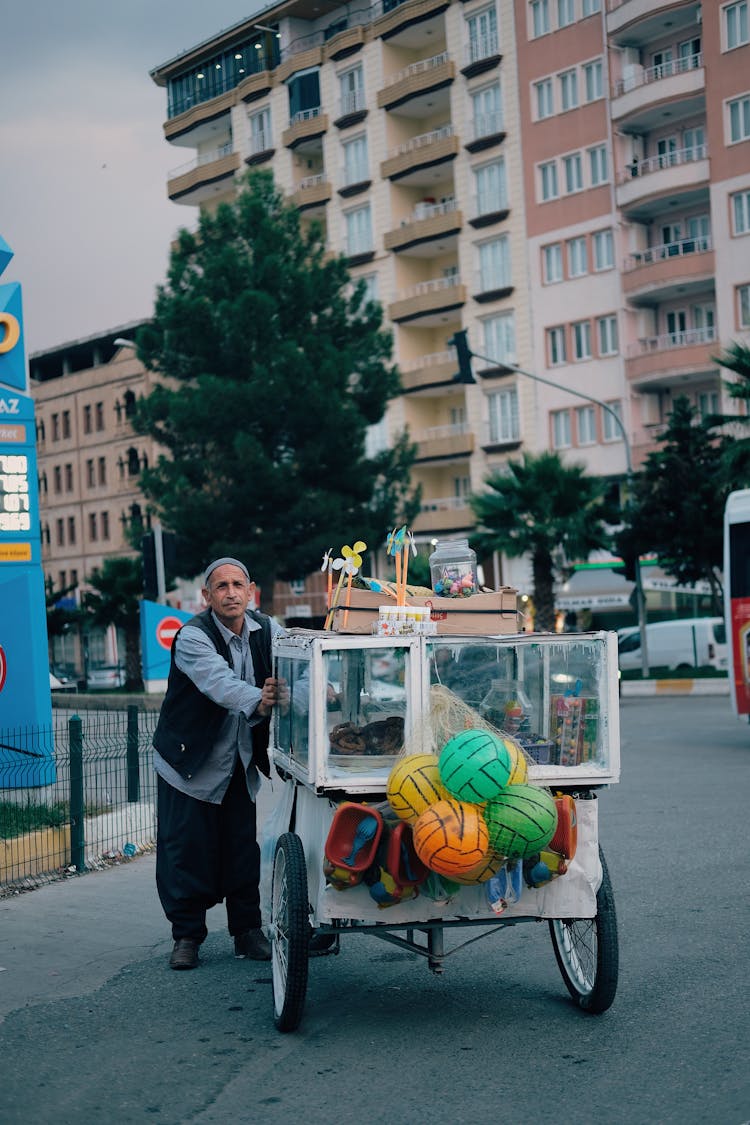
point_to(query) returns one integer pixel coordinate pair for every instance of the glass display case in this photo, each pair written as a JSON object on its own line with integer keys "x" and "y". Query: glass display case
{"x": 355, "y": 703}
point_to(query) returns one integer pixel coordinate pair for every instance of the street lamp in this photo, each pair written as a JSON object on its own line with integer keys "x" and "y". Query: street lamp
{"x": 161, "y": 578}
{"x": 464, "y": 354}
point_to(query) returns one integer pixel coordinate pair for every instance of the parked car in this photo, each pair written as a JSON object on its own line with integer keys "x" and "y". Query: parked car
{"x": 56, "y": 684}
{"x": 107, "y": 677}
{"x": 690, "y": 642}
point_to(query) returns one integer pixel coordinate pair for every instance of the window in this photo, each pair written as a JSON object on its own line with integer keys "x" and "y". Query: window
{"x": 743, "y": 302}
{"x": 494, "y": 264}
{"x": 352, "y": 90}
{"x": 569, "y": 89}
{"x": 503, "y": 416}
{"x": 606, "y": 329}
{"x": 590, "y": 8}
{"x": 355, "y": 161}
{"x": 483, "y": 41}
{"x": 556, "y": 347}
{"x": 93, "y": 534}
{"x": 60, "y": 532}
{"x": 68, "y": 478}
{"x": 561, "y": 429}
{"x": 500, "y": 338}
{"x": 740, "y": 217}
{"x": 491, "y": 187}
{"x": 540, "y": 24}
{"x": 100, "y": 416}
{"x": 487, "y": 111}
{"x": 593, "y": 80}
{"x": 582, "y": 340}
{"x": 739, "y": 119}
{"x": 71, "y": 529}
{"x": 358, "y": 231}
{"x": 105, "y": 525}
{"x": 708, "y": 403}
{"x": 552, "y": 263}
{"x": 370, "y": 281}
{"x": 260, "y": 131}
{"x": 62, "y": 579}
{"x": 610, "y": 429}
{"x": 566, "y": 13}
{"x": 57, "y": 478}
{"x": 577, "y": 257}
{"x": 87, "y": 419}
{"x": 694, "y": 143}
{"x": 573, "y": 172}
{"x": 544, "y": 101}
{"x": 66, "y": 424}
{"x": 55, "y": 427}
{"x": 586, "y": 425}
{"x": 604, "y": 250}
{"x": 548, "y": 173}
{"x": 90, "y": 479}
{"x": 598, "y": 165}
{"x": 735, "y": 24}
{"x": 102, "y": 470}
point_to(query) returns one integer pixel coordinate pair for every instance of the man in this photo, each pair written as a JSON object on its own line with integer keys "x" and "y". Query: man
{"x": 211, "y": 740}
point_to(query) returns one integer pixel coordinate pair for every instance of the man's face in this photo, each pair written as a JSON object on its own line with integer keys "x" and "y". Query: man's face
{"x": 228, "y": 594}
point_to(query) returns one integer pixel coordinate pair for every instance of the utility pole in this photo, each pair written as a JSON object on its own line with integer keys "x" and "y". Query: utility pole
{"x": 465, "y": 375}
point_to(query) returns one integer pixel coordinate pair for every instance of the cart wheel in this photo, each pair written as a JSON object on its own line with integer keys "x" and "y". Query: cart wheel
{"x": 290, "y": 932}
{"x": 586, "y": 951}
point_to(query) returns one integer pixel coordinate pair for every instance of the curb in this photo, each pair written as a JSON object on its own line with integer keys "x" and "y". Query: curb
{"x": 674, "y": 687}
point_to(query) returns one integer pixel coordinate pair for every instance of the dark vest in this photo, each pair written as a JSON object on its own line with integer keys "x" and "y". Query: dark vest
{"x": 189, "y": 722}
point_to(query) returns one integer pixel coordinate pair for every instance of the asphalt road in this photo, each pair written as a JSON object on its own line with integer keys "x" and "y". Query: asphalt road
{"x": 119, "y": 1038}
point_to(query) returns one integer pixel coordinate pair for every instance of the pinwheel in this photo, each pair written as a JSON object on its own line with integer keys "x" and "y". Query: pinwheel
{"x": 348, "y": 565}
{"x": 328, "y": 566}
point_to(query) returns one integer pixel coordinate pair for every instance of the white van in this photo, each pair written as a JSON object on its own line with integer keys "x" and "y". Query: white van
{"x": 691, "y": 642}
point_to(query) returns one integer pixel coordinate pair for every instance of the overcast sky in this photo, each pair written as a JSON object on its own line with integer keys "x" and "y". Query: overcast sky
{"x": 83, "y": 160}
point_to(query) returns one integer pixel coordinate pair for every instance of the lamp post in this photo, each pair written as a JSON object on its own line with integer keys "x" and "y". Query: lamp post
{"x": 465, "y": 375}
{"x": 161, "y": 579}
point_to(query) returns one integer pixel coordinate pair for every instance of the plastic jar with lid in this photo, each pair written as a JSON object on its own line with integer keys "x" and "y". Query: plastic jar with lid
{"x": 453, "y": 569}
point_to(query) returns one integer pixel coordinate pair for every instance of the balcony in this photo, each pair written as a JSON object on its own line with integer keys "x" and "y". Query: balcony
{"x": 661, "y": 273}
{"x": 301, "y": 55}
{"x": 429, "y": 372}
{"x": 190, "y": 126}
{"x": 482, "y": 53}
{"x": 674, "y": 359}
{"x": 402, "y": 16}
{"x": 487, "y": 129}
{"x": 443, "y": 443}
{"x": 492, "y": 285}
{"x": 424, "y": 151}
{"x": 197, "y": 180}
{"x": 429, "y": 223}
{"x": 639, "y": 100}
{"x": 420, "y": 78}
{"x": 682, "y": 175}
{"x": 345, "y": 43}
{"x": 255, "y": 86}
{"x": 352, "y": 109}
{"x": 261, "y": 148}
{"x": 312, "y": 192}
{"x": 447, "y": 513}
{"x": 637, "y": 22}
{"x": 429, "y": 299}
{"x": 305, "y": 126}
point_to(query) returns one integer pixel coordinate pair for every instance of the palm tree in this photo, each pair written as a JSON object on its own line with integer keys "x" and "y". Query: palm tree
{"x": 736, "y": 454}
{"x": 116, "y": 600}
{"x": 543, "y": 508}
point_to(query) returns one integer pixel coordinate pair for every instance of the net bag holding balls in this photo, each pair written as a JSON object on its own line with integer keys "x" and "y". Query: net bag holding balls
{"x": 521, "y": 821}
{"x": 484, "y": 871}
{"x": 451, "y": 838}
{"x": 476, "y": 765}
{"x": 413, "y": 785}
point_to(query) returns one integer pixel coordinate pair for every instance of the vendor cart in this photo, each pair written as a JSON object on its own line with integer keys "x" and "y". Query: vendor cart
{"x": 355, "y": 706}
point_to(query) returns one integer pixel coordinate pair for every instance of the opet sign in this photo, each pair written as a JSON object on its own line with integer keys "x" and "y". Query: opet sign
{"x": 11, "y": 332}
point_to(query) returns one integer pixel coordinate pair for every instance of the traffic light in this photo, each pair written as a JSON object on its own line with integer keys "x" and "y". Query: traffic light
{"x": 463, "y": 352}
{"x": 150, "y": 570}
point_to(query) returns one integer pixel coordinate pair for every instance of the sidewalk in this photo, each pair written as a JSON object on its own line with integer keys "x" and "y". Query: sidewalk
{"x": 715, "y": 686}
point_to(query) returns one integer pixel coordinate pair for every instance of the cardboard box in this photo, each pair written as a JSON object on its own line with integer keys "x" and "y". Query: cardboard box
{"x": 480, "y": 615}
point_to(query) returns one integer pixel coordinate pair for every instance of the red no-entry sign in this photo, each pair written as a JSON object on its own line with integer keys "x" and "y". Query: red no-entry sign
{"x": 166, "y": 629}
{"x": 3, "y": 668}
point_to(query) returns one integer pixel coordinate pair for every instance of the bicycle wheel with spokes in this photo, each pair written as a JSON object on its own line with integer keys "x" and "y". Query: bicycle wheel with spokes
{"x": 290, "y": 932}
{"x": 586, "y": 951}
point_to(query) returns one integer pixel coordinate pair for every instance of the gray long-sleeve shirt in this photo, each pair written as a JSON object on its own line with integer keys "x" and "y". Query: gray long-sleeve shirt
{"x": 233, "y": 688}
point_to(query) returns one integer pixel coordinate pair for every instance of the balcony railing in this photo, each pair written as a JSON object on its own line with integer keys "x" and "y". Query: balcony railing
{"x": 667, "y": 250}
{"x": 435, "y": 285}
{"x": 483, "y": 47}
{"x": 355, "y": 174}
{"x": 260, "y": 142}
{"x": 435, "y": 433}
{"x": 487, "y": 124}
{"x": 200, "y": 160}
{"x": 305, "y": 115}
{"x": 352, "y": 102}
{"x": 664, "y": 160}
{"x": 655, "y": 73}
{"x": 445, "y": 504}
{"x": 421, "y": 67}
{"x": 422, "y": 141}
{"x": 308, "y": 182}
{"x": 425, "y": 362}
{"x": 429, "y": 210}
{"x": 684, "y": 339}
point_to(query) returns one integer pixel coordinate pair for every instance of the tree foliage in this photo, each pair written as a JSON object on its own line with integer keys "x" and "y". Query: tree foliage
{"x": 736, "y": 449}
{"x": 678, "y": 502}
{"x": 115, "y": 599}
{"x": 276, "y": 365}
{"x": 546, "y": 509}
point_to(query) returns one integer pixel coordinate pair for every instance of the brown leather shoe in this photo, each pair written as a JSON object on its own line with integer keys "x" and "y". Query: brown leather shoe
{"x": 254, "y": 944}
{"x": 185, "y": 954}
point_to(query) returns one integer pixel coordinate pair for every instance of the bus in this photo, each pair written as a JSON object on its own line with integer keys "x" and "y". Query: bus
{"x": 737, "y": 596}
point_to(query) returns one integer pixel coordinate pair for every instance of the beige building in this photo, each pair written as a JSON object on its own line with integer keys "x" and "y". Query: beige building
{"x": 568, "y": 180}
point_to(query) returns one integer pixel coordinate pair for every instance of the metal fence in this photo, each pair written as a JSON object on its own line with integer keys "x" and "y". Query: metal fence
{"x": 75, "y": 796}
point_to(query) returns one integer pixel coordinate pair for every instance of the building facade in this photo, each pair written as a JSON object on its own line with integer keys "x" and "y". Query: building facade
{"x": 567, "y": 180}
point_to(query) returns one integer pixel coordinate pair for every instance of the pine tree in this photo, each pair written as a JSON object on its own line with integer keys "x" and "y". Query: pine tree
{"x": 115, "y": 599}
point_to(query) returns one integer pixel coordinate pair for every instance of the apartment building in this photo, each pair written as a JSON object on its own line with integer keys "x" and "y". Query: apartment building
{"x": 568, "y": 180}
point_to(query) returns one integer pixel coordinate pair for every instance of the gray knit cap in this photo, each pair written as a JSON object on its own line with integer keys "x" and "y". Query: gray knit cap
{"x": 224, "y": 562}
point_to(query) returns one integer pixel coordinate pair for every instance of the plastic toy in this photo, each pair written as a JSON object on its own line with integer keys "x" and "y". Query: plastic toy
{"x": 476, "y": 765}
{"x": 451, "y": 838}
{"x": 413, "y": 785}
{"x": 521, "y": 821}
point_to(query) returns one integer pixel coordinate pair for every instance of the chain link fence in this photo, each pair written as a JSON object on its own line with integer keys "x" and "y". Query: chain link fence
{"x": 75, "y": 796}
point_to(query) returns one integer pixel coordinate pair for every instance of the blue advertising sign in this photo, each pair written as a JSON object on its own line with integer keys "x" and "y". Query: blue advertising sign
{"x": 25, "y": 700}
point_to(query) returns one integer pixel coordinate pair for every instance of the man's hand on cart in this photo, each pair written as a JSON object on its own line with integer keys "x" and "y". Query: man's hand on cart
{"x": 273, "y": 692}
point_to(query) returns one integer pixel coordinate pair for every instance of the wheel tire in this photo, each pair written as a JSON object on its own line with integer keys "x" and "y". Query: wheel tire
{"x": 290, "y": 932}
{"x": 586, "y": 951}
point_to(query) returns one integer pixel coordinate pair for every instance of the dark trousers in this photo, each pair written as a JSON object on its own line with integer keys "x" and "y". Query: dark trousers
{"x": 206, "y": 853}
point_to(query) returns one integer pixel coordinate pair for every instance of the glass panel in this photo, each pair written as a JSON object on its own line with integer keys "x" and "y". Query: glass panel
{"x": 293, "y": 731}
{"x": 366, "y": 709}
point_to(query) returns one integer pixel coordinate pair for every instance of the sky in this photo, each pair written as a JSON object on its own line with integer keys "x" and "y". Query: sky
{"x": 83, "y": 159}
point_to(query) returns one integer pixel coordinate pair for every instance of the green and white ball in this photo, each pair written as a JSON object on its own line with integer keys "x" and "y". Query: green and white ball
{"x": 476, "y": 765}
{"x": 521, "y": 821}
